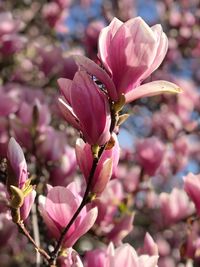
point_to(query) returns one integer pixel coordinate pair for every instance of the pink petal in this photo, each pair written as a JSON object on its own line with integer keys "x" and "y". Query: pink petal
{"x": 125, "y": 255}
{"x": 86, "y": 223}
{"x": 149, "y": 247}
{"x": 65, "y": 87}
{"x": 106, "y": 37}
{"x": 148, "y": 261}
{"x": 99, "y": 73}
{"x": 17, "y": 161}
{"x": 161, "y": 50}
{"x": 60, "y": 205}
{"x": 68, "y": 113}
{"x": 28, "y": 202}
{"x": 52, "y": 227}
{"x": 91, "y": 107}
{"x": 134, "y": 43}
{"x": 84, "y": 157}
{"x": 103, "y": 178}
{"x": 140, "y": 30}
{"x": 152, "y": 89}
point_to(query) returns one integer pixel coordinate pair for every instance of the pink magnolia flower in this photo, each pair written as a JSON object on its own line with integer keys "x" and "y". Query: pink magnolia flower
{"x": 18, "y": 176}
{"x": 111, "y": 223}
{"x": 175, "y": 206}
{"x": 192, "y": 188}
{"x": 105, "y": 168}
{"x": 96, "y": 257}
{"x": 124, "y": 255}
{"x": 86, "y": 108}
{"x": 149, "y": 153}
{"x": 57, "y": 209}
{"x": 130, "y": 52}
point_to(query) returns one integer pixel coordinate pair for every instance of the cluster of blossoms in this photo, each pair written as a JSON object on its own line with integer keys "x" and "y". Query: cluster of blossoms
{"x": 111, "y": 199}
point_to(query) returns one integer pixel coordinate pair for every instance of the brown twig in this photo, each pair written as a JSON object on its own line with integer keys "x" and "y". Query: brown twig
{"x": 26, "y": 233}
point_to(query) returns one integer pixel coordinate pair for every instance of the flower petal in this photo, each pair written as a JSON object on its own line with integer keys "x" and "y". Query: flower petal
{"x": 91, "y": 107}
{"x": 106, "y": 37}
{"x": 152, "y": 89}
{"x": 65, "y": 86}
{"x": 28, "y": 202}
{"x": 87, "y": 222}
{"x": 17, "y": 162}
{"x": 60, "y": 205}
{"x": 99, "y": 73}
{"x": 68, "y": 113}
{"x": 103, "y": 178}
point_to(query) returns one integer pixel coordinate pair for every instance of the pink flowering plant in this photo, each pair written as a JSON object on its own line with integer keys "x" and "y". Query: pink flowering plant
{"x": 103, "y": 171}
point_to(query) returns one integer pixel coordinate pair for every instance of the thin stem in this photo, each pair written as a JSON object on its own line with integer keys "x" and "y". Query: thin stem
{"x": 26, "y": 233}
{"x": 84, "y": 201}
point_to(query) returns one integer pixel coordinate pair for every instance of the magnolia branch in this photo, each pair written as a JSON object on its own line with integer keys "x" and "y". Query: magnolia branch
{"x": 86, "y": 199}
{"x": 26, "y": 233}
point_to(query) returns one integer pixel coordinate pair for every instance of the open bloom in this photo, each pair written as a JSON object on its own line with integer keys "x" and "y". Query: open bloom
{"x": 130, "y": 52}
{"x": 86, "y": 108}
{"x": 124, "y": 255}
{"x": 150, "y": 152}
{"x": 106, "y": 166}
{"x": 18, "y": 179}
{"x": 57, "y": 209}
{"x": 175, "y": 206}
{"x": 192, "y": 188}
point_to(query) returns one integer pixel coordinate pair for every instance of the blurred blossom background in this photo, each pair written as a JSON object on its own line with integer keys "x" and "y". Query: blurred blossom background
{"x": 160, "y": 141}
